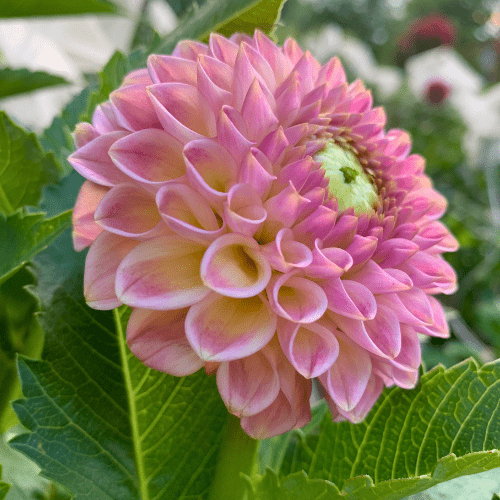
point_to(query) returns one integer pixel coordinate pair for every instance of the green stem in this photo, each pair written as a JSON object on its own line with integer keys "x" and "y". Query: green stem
{"x": 237, "y": 454}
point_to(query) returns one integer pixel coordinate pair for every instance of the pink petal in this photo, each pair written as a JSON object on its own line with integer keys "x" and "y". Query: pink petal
{"x": 94, "y": 163}
{"x": 257, "y": 113}
{"x": 151, "y": 156}
{"x": 188, "y": 214}
{"x": 315, "y": 226}
{"x": 128, "y": 210}
{"x": 103, "y": 259}
{"x": 411, "y": 306}
{"x": 85, "y": 230}
{"x": 189, "y": 49}
{"x": 211, "y": 169}
{"x": 273, "y": 55}
{"x": 347, "y": 379}
{"x": 439, "y": 327}
{"x": 349, "y": 298}
{"x": 225, "y": 328}
{"x": 83, "y": 134}
{"x": 410, "y": 357}
{"x": 243, "y": 210}
{"x": 234, "y": 266}
{"x": 256, "y": 171}
{"x": 104, "y": 119}
{"x": 216, "y": 96}
{"x": 328, "y": 262}
{"x": 297, "y": 299}
{"x": 183, "y": 111}
{"x": 393, "y": 252}
{"x": 133, "y": 108}
{"x": 284, "y": 254}
{"x": 157, "y": 338}
{"x": 311, "y": 348}
{"x": 162, "y": 273}
{"x": 248, "y": 385}
{"x": 378, "y": 280}
{"x": 139, "y": 76}
{"x": 362, "y": 248}
{"x": 231, "y": 138}
{"x": 261, "y": 66}
{"x": 223, "y": 49}
{"x": 164, "y": 69}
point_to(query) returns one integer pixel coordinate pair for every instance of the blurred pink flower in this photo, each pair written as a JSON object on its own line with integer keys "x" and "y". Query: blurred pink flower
{"x": 249, "y": 206}
{"x": 425, "y": 33}
{"x": 437, "y": 92}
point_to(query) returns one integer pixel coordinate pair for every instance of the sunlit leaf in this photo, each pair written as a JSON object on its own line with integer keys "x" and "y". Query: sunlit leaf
{"x": 28, "y": 8}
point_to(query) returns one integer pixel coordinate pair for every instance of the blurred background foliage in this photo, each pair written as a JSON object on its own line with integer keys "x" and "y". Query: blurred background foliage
{"x": 433, "y": 64}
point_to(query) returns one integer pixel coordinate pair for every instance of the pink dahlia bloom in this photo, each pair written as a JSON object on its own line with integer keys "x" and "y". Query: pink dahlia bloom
{"x": 249, "y": 206}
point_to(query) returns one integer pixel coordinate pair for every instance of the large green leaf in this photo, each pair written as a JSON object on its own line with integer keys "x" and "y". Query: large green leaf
{"x": 444, "y": 428}
{"x": 92, "y": 406}
{"x": 28, "y": 8}
{"x": 4, "y": 487}
{"x": 18, "y": 81}
{"x": 24, "y": 167}
{"x": 26, "y": 234}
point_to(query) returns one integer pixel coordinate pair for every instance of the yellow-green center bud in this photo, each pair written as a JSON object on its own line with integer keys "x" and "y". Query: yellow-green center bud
{"x": 348, "y": 180}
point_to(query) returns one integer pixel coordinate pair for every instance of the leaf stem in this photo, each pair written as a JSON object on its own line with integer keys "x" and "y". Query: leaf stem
{"x": 237, "y": 454}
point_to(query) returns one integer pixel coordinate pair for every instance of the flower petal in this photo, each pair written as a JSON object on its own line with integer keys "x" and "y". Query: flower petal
{"x": 164, "y": 69}
{"x": 224, "y": 328}
{"x": 311, "y": 348}
{"x": 162, "y": 273}
{"x": 379, "y": 280}
{"x": 248, "y": 385}
{"x": 151, "y": 156}
{"x": 128, "y": 210}
{"x": 297, "y": 299}
{"x": 234, "y": 266}
{"x": 101, "y": 264}
{"x": 157, "y": 338}
{"x": 85, "y": 230}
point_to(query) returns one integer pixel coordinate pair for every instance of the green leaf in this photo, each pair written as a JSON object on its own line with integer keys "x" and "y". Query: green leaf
{"x": 24, "y": 167}
{"x": 26, "y": 234}
{"x": 225, "y": 17}
{"x": 19, "y": 333}
{"x": 29, "y": 8}
{"x": 18, "y": 81}
{"x": 92, "y": 406}
{"x": 411, "y": 440}
{"x": 4, "y": 487}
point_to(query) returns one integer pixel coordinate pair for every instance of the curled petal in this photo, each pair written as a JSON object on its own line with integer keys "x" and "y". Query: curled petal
{"x": 409, "y": 357}
{"x": 328, "y": 262}
{"x": 439, "y": 326}
{"x": 284, "y": 253}
{"x": 85, "y": 230}
{"x": 83, "y": 134}
{"x": 211, "y": 169}
{"x": 162, "y": 273}
{"x": 94, "y": 163}
{"x": 347, "y": 379}
{"x": 223, "y": 49}
{"x": 255, "y": 170}
{"x": 393, "y": 252}
{"x": 362, "y": 248}
{"x": 128, "y": 210}
{"x": 248, "y": 385}
{"x": 104, "y": 119}
{"x": 139, "y": 76}
{"x": 411, "y": 306}
{"x": 243, "y": 210}
{"x": 231, "y": 138}
{"x": 101, "y": 264}
{"x": 189, "y": 49}
{"x": 349, "y": 298}
{"x": 188, "y": 214}
{"x": 182, "y": 111}
{"x": 297, "y": 299}
{"x": 311, "y": 348}
{"x": 234, "y": 266}
{"x": 151, "y": 156}
{"x": 157, "y": 338}
{"x": 224, "y": 328}
{"x": 164, "y": 69}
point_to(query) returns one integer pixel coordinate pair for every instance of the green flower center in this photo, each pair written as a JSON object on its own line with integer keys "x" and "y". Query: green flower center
{"x": 348, "y": 180}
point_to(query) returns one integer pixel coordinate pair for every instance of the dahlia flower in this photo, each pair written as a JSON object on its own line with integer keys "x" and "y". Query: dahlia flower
{"x": 248, "y": 205}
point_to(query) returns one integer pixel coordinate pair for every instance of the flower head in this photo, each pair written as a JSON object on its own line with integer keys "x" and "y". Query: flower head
{"x": 249, "y": 206}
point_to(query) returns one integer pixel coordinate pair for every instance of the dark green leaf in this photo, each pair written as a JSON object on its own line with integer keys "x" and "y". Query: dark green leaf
{"x": 91, "y": 405}
{"x": 4, "y": 487}
{"x": 18, "y": 81}
{"x": 26, "y": 234}
{"x": 19, "y": 333}
{"x": 29, "y": 8}
{"x": 451, "y": 413}
{"x": 24, "y": 167}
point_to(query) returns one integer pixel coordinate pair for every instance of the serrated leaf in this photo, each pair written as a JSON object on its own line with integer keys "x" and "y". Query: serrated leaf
{"x": 411, "y": 440}
{"x": 19, "y": 81}
{"x": 4, "y": 487}
{"x": 29, "y": 8}
{"x": 24, "y": 235}
{"x": 91, "y": 405}
{"x": 24, "y": 167}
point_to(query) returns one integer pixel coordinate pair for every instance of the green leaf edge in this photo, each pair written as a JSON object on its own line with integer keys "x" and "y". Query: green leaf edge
{"x": 4, "y": 487}
{"x": 26, "y": 77}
